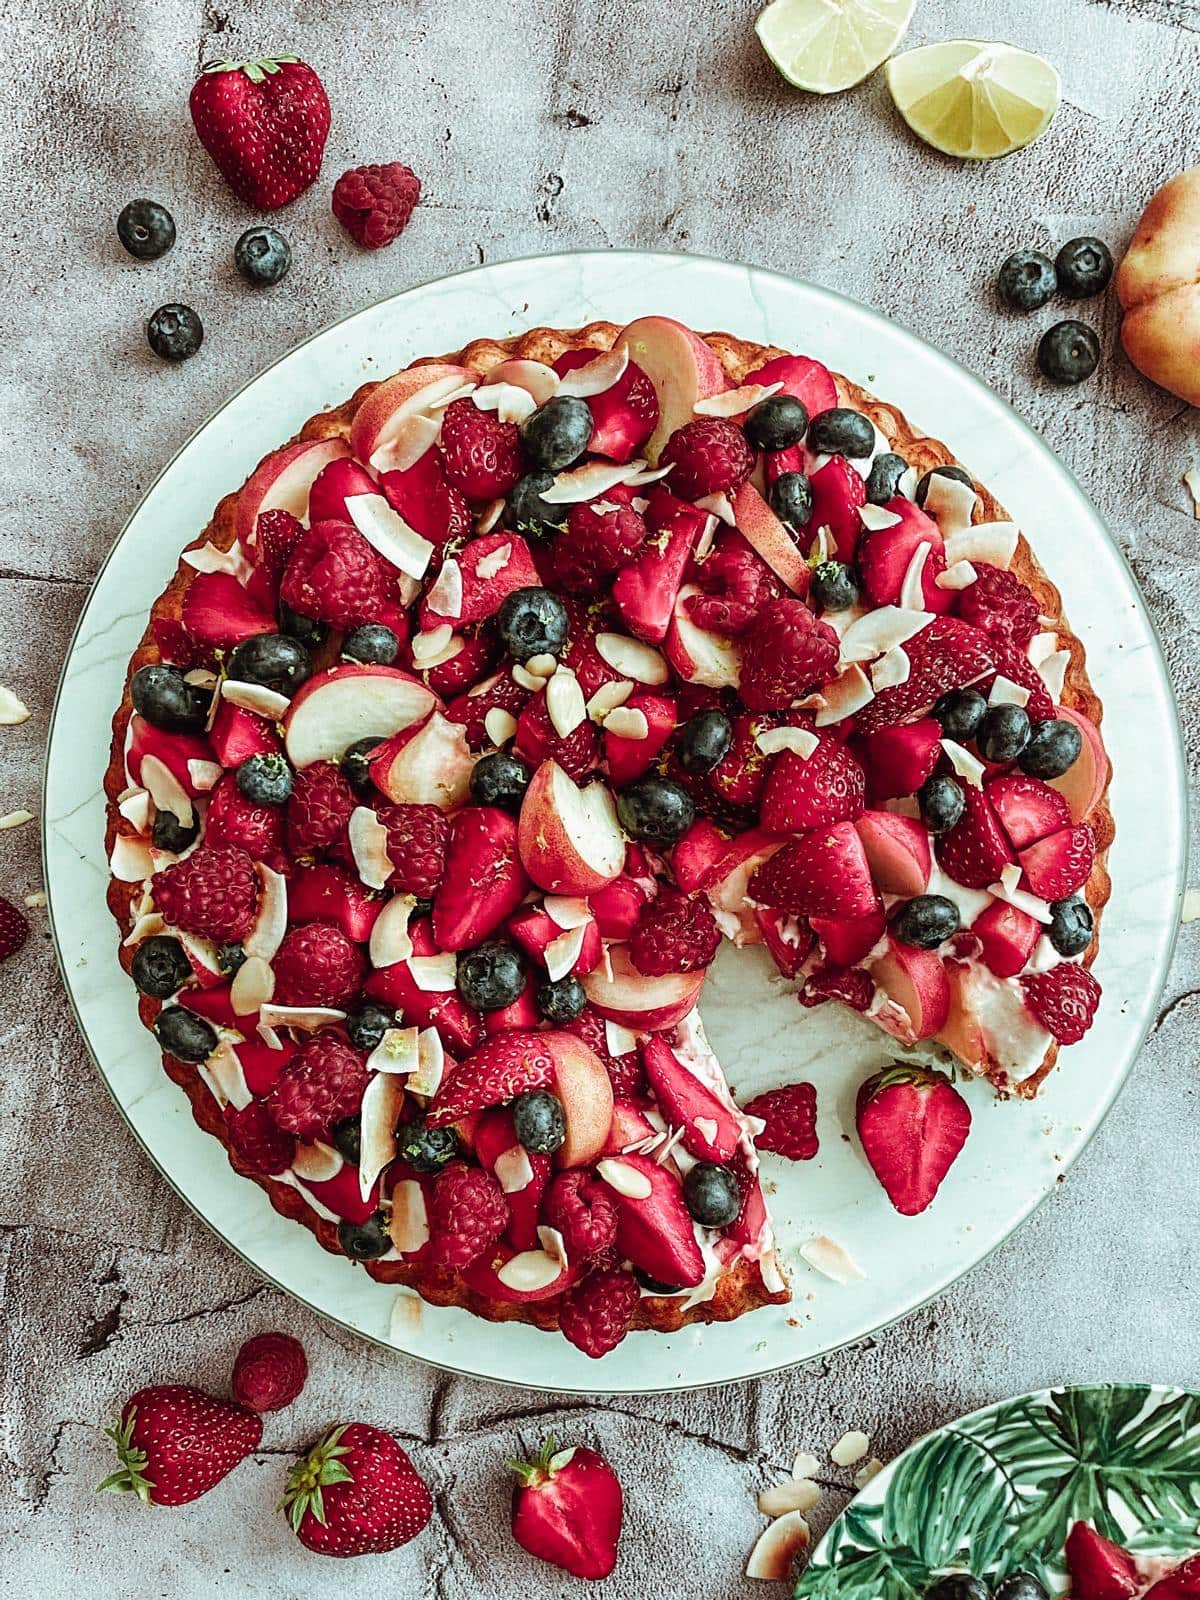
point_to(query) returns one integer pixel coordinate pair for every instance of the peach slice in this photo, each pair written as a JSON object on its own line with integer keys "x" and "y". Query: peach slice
{"x": 917, "y": 981}
{"x": 585, "y": 1089}
{"x": 897, "y": 852}
{"x": 1083, "y": 784}
{"x": 961, "y": 1030}
{"x": 427, "y": 763}
{"x": 381, "y": 424}
{"x": 681, "y": 367}
{"x": 768, "y": 538}
{"x": 282, "y": 482}
{"x": 629, "y": 997}
{"x": 350, "y": 702}
{"x": 697, "y": 655}
{"x": 569, "y": 838}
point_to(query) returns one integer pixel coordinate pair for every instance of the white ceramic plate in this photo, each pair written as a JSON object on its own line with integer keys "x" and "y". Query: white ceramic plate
{"x": 1016, "y": 1151}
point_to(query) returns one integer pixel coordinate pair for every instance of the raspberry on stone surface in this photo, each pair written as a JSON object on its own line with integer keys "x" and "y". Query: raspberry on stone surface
{"x": 374, "y": 203}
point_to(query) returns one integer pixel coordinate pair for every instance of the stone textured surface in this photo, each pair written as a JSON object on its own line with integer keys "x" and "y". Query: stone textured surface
{"x": 534, "y": 126}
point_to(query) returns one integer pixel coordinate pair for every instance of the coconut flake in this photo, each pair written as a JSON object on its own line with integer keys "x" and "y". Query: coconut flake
{"x": 386, "y": 531}
{"x": 368, "y": 846}
{"x": 166, "y": 790}
{"x": 255, "y": 697}
{"x": 565, "y": 704}
{"x": 719, "y": 506}
{"x": 1040, "y": 647}
{"x": 778, "y": 1547}
{"x": 992, "y": 542}
{"x": 553, "y": 1243}
{"x": 209, "y": 558}
{"x": 252, "y": 987}
{"x": 626, "y": 1180}
{"x": 445, "y": 593}
{"x": 875, "y": 517}
{"x": 950, "y": 502}
{"x": 627, "y": 722}
{"x": 434, "y": 974}
{"x": 204, "y": 775}
{"x": 382, "y": 1104}
{"x": 561, "y": 954}
{"x": 882, "y": 630}
{"x": 1004, "y": 692}
{"x": 797, "y": 1494}
{"x": 408, "y": 1227}
{"x": 529, "y": 1271}
{"x": 640, "y": 475}
{"x": 270, "y": 919}
{"x": 968, "y": 767}
{"x": 831, "y": 1260}
{"x": 850, "y": 1448}
{"x": 912, "y": 587}
{"x": 308, "y": 1019}
{"x": 499, "y": 725}
{"x": 595, "y": 377}
{"x": 414, "y": 435}
{"x": 567, "y": 911}
{"x": 390, "y": 941}
{"x": 429, "y": 647}
{"x": 513, "y": 1170}
{"x": 145, "y": 926}
{"x": 587, "y": 482}
{"x": 619, "y": 1039}
{"x": 800, "y": 741}
{"x": 135, "y": 808}
{"x": 397, "y": 1052}
{"x": 509, "y": 401}
{"x": 608, "y": 697}
{"x": 960, "y": 576}
{"x": 493, "y": 564}
{"x": 131, "y": 860}
{"x": 316, "y": 1162}
{"x": 843, "y": 697}
{"x": 1054, "y": 673}
{"x": 891, "y": 669}
{"x": 735, "y": 402}
{"x": 632, "y": 658}
{"x": 1192, "y": 480}
{"x": 1009, "y": 888}
{"x": 222, "y": 1073}
{"x": 431, "y": 1064}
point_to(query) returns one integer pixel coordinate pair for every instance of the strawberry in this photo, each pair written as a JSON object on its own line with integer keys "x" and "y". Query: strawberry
{"x": 567, "y": 1509}
{"x": 912, "y": 1122}
{"x": 238, "y": 734}
{"x": 594, "y": 544}
{"x": 838, "y": 491}
{"x": 885, "y": 554}
{"x": 459, "y": 1027}
{"x": 478, "y": 653}
{"x": 374, "y": 203}
{"x": 327, "y": 893}
{"x": 595, "y": 1315}
{"x": 213, "y": 892}
{"x": 14, "y": 929}
{"x": 1063, "y": 1000}
{"x": 264, "y": 123}
{"x": 1183, "y": 1583}
{"x": 277, "y": 533}
{"x": 484, "y": 881}
{"x": 786, "y": 653}
{"x": 999, "y": 605}
{"x": 790, "y": 1115}
{"x": 802, "y": 377}
{"x": 788, "y": 941}
{"x": 741, "y": 773}
{"x": 175, "y": 1443}
{"x": 578, "y": 1205}
{"x": 1100, "y": 1569}
{"x": 946, "y": 654}
{"x": 317, "y": 965}
{"x": 269, "y": 1372}
{"x": 261, "y": 1065}
{"x": 319, "y": 809}
{"x": 323, "y": 1082}
{"x": 645, "y": 590}
{"x": 231, "y": 819}
{"x": 975, "y": 850}
{"x": 356, "y": 1493}
{"x": 505, "y": 1066}
{"x": 467, "y": 1213}
{"x": 630, "y": 758}
{"x": 710, "y": 1130}
{"x": 1027, "y": 808}
{"x": 823, "y": 873}
{"x": 417, "y": 837}
{"x": 507, "y": 566}
{"x": 1007, "y": 935}
{"x": 851, "y": 986}
{"x": 625, "y": 1070}
{"x": 709, "y": 456}
{"x": 1056, "y": 866}
{"x": 847, "y": 940}
{"x": 623, "y": 415}
{"x": 481, "y": 455}
{"x": 471, "y": 709}
{"x": 257, "y": 1139}
{"x": 496, "y": 1137}
{"x": 898, "y": 760}
{"x": 334, "y": 575}
{"x": 813, "y": 791}
{"x": 331, "y": 488}
{"x": 1016, "y": 666}
{"x": 674, "y": 934}
{"x": 427, "y": 501}
{"x": 537, "y": 739}
{"x": 655, "y": 1232}
{"x": 219, "y": 614}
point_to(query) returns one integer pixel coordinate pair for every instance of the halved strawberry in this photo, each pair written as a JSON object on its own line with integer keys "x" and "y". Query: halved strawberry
{"x": 788, "y": 940}
{"x": 618, "y": 906}
{"x": 176, "y": 751}
{"x": 802, "y": 377}
{"x": 1100, "y": 1569}
{"x": 1063, "y": 1000}
{"x": 504, "y": 1066}
{"x": 654, "y": 1230}
{"x": 1028, "y": 809}
{"x": 813, "y": 791}
{"x": 698, "y": 853}
{"x": 846, "y": 940}
{"x": 342, "y": 1195}
{"x": 623, "y": 416}
{"x": 331, "y": 894}
{"x": 484, "y": 880}
{"x": 493, "y": 566}
{"x": 534, "y": 929}
{"x": 912, "y": 1123}
{"x": 628, "y": 758}
{"x": 212, "y": 1002}
{"x": 975, "y": 849}
{"x": 646, "y": 590}
{"x": 885, "y": 554}
{"x": 496, "y": 1137}
{"x": 477, "y": 657}
{"x": 898, "y": 760}
{"x": 710, "y": 1130}
{"x": 238, "y": 734}
{"x": 427, "y": 501}
{"x": 1007, "y": 935}
{"x": 1012, "y": 662}
{"x": 333, "y": 485}
{"x": 1059, "y": 864}
{"x": 753, "y": 1214}
{"x": 947, "y": 654}
{"x": 838, "y": 491}
{"x": 218, "y": 613}
{"x": 520, "y": 1013}
{"x": 1181, "y": 1584}
{"x": 232, "y": 819}
{"x": 824, "y": 873}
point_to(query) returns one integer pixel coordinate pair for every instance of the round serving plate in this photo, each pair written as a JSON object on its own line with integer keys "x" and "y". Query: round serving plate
{"x": 1016, "y": 1151}
{"x": 998, "y": 1491}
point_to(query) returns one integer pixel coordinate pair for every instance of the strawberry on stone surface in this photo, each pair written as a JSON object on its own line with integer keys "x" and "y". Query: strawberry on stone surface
{"x": 14, "y": 929}
{"x": 596, "y": 1314}
{"x": 707, "y": 456}
{"x": 507, "y": 1065}
{"x": 946, "y": 654}
{"x": 813, "y": 791}
{"x": 912, "y": 1123}
{"x": 269, "y": 1372}
{"x": 213, "y": 892}
{"x": 823, "y": 873}
{"x": 1063, "y": 1000}
{"x": 975, "y": 850}
{"x": 674, "y": 934}
{"x": 786, "y": 653}
{"x": 232, "y": 819}
{"x": 323, "y": 1083}
{"x": 467, "y": 1213}
{"x": 175, "y": 1443}
{"x": 481, "y": 455}
{"x": 417, "y": 840}
{"x": 317, "y": 965}
{"x": 483, "y": 882}
{"x": 1000, "y": 605}
{"x": 334, "y": 575}
{"x": 258, "y": 1140}
{"x": 319, "y": 808}
{"x": 790, "y": 1115}
{"x": 356, "y": 1493}
{"x": 600, "y": 537}
{"x": 1059, "y": 864}
{"x": 264, "y": 123}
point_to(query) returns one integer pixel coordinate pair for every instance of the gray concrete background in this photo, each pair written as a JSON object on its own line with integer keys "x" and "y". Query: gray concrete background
{"x": 538, "y": 125}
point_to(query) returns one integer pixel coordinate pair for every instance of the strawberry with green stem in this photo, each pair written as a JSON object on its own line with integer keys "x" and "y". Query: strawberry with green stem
{"x": 175, "y": 1443}
{"x": 356, "y": 1493}
{"x": 264, "y": 123}
{"x": 567, "y": 1509}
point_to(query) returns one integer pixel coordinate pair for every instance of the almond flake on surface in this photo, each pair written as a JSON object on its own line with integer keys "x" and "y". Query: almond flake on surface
{"x": 254, "y": 697}
{"x": 1191, "y": 479}
{"x": 832, "y": 1260}
{"x": 869, "y": 1469}
{"x": 968, "y": 767}
{"x": 632, "y": 658}
{"x": 891, "y": 669}
{"x": 627, "y": 722}
{"x": 805, "y": 1465}
{"x": 553, "y": 1243}
{"x": 882, "y": 630}
{"x": 36, "y": 900}
{"x": 844, "y": 696}
{"x": 445, "y": 593}
{"x": 386, "y": 531}
{"x": 594, "y": 377}
{"x": 15, "y": 819}
{"x": 499, "y": 725}
{"x": 1190, "y": 909}
{"x": 994, "y": 543}
{"x": 626, "y": 1180}
{"x": 493, "y": 565}
{"x": 875, "y": 517}
{"x": 778, "y": 1548}
{"x": 565, "y": 704}
{"x": 851, "y": 1447}
{"x": 960, "y": 576}
{"x": 797, "y": 1494}
{"x": 735, "y": 402}
{"x": 1004, "y": 692}
{"x": 800, "y": 741}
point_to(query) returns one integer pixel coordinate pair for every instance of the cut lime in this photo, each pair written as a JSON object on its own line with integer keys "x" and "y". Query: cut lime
{"x": 973, "y": 99}
{"x": 827, "y": 45}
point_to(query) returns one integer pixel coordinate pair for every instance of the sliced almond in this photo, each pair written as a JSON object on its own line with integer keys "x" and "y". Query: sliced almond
{"x": 851, "y": 1447}
{"x": 408, "y": 1310}
{"x": 428, "y": 646}
{"x": 527, "y": 680}
{"x": 797, "y": 1494}
{"x": 627, "y": 722}
{"x": 778, "y": 1548}
{"x": 632, "y": 658}
{"x": 832, "y": 1260}
{"x": 15, "y": 819}
{"x": 499, "y": 725}
{"x": 529, "y": 1271}
{"x": 12, "y": 711}
{"x": 252, "y": 987}
{"x": 608, "y": 697}
{"x": 565, "y": 703}
{"x": 35, "y": 901}
{"x": 553, "y": 1243}
{"x": 204, "y": 775}
{"x": 805, "y": 1465}
{"x": 626, "y": 1180}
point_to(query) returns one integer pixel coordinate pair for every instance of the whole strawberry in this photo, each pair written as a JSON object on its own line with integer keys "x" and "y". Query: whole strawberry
{"x": 356, "y": 1493}
{"x": 264, "y": 123}
{"x": 175, "y": 1443}
{"x": 269, "y": 1372}
{"x": 14, "y": 929}
{"x": 567, "y": 1509}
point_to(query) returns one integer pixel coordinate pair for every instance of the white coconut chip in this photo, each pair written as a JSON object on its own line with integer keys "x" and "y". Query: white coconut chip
{"x": 640, "y": 474}
{"x": 130, "y": 860}
{"x": 166, "y": 790}
{"x": 912, "y": 586}
{"x": 270, "y": 920}
{"x": 513, "y": 1170}
{"x": 494, "y": 563}
{"x": 968, "y": 767}
{"x": 960, "y": 576}
{"x": 708, "y": 536}
{"x": 445, "y": 593}
{"x": 381, "y": 1106}
{"x": 510, "y": 402}
{"x": 778, "y": 1547}
{"x": 1009, "y": 888}
{"x": 431, "y": 1064}
{"x": 390, "y": 941}
{"x": 429, "y": 645}
{"x": 553, "y": 1243}
{"x": 619, "y": 1039}
{"x": 626, "y": 1180}
{"x": 308, "y": 1019}
{"x": 627, "y": 722}
{"x": 565, "y": 704}
{"x": 843, "y": 697}
{"x": 448, "y": 651}
{"x": 588, "y": 482}
{"x": 368, "y": 846}
{"x": 718, "y": 505}
{"x": 317, "y": 1162}
{"x": 735, "y": 402}
{"x": 1041, "y": 647}
{"x": 386, "y": 531}
{"x": 875, "y": 517}
{"x": 800, "y": 741}
{"x": 879, "y": 631}
{"x": 225, "y": 1071}
{"x": 252, "y": 987}
{"x": 797, "y": 1494}
{"x": 409, "y": 1230}
{"x": 561, "y": 954}
{"x": 994, "y": 543}
{"x": 891, "y": 669}
{"x": 850, "y": 1448}
{"x": 204, "y": 775}
{"x": 608, "y": 697}
{"x": 255, "y": 697}
{"x": 567, "y": 910}
{"x": 135, "y": 808}
{"x": 412, "y": 437}
{"x": 1054, "y": 673}
{"x": 950, "y": 502}
{"x": 499, "y": 725}
{"x": 146, "y": 926}
{"x": 209, "y": 558}
{"x": 1189, "y": 910}
{"x": 397, "y": 1052}
{"x": 434, "y": 974}
{"x": 595, "y": 377}
{"x": 832, "y": 1260}
{"x": 822, "y": 546}
{"x": 632, "y": 658}
{"x": 1004, "y": 692}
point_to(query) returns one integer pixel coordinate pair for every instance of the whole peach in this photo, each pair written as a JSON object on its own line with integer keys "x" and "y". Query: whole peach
{"x": 1158, "y": 285}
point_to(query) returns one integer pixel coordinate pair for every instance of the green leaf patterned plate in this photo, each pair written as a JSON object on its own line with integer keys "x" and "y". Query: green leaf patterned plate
{"x": 999, "y": 1491}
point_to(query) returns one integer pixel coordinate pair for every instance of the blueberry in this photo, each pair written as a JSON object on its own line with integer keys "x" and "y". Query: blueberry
{"x": 1069, "y": 352}
{"x": 941, "y": 802}
{"x": 539, "y": 1122}
{"x": 1071, "y": 925}
{"x": 926, "y": 921}
{"x": 657, "y": 809}
{"x": 958, "y": 1586}
{"x": 184, "y": 1035}
{"x": 527, "y": 512}
{"x": 500, "y": 780}
{"x": 262, "y": 255}
{"x": 532, "y": 622}
{"x": 562, "y": 1000}
{"x": 791, "y": 499}
{"x": 175, "y": 332}
{"x": 231, "y": 957}
{"x": 776, "y": 423}
{"x": 1084, "y": 267}
{"x": 557, "y": 433}
{"x": 160, "y": 967}
{"x": 841, "y": 432}
{"x": 146, "y": 229}
{"x": 374, "y": 644}
{"x": 426, "y": 1149}
{"x": 883, "y": 481}
{"x": 1020, "y": 1586}
{"x": 834, "y": 586}
{"x": 160, "y": 694}
{"x": 367, "y": 1026}
{"x": 1053, "y": 748}
{"x": 711, "y": 1195}
{"x": 655, "y": 1285}
{"x": 704, "y": 740}
{"x": 959, "y": 474}
{"x": 347, "y": 1139}
{"x": 1027, "y": 280}
{"x": 356, "y": 765}
{"x": 365, "y": 1241}
{"x": 265, "y": 780}
{"x": 168, "y": 833}
{"x": 490, "y": 976}
{"x": 960, "y": 712}
{"x": 272, "y": 660}
{"x": 307, "y": 630}
{"x": 1003, "y": 733}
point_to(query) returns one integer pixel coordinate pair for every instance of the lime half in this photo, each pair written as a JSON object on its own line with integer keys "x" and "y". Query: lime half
{"x": 827, "y": 45}
{"x": 972, "y": 99}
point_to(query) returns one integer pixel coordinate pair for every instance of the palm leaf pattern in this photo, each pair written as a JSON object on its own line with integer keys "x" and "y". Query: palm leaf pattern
{"x": 1000, "y": 1490}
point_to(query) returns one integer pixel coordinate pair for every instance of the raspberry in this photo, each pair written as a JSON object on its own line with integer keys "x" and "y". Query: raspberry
{"x": 790, "y": 1115}
{"x": 786, "y": 653}
{"x": 625, "y": 1072}
{"x": 741, "y": 773}
{"x": 482, "y": 455}
{"x": 593, "y": 545}
{"x": 323, "y": 1082}
{"x": 710, "y": 456}
{"x": 467, "y": 1213}
{"x": 595, "y": 1315}
{"x": 14, "y": 929}
{"x": 317, "y": 965}
{"x": 674, "y": 934}
{"x": 1063, "y": 1000}
{"x": 416, "y": 844}
{"x": 213, "y": 892}
{"x": 231, "y": 819}
{"x": 269, "y": 1372}
{"x": 276, "y": 535}
{"x": 850, "y": 985}
{"x": 334, "y": 575}
{"x": 374, "y": 203}
{"x": 319, "y": 808}
{"x": 258, "y": 1140}
{"x": 999, "y": 605}
{"x": 582, "y": 1211}
{"x": 471, "y": 709}
{"x": 537, "y": 739}
{"x": 736, "y": 584}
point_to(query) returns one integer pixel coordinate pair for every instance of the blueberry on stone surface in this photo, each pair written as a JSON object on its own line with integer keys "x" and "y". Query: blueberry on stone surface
{"x": 160, "y": 694}
{"x": 365, "y": 1241}
{"x": 791, "y": 499}
{"x": 184, "y": 1035}
{"x": 656, "y": 809}
{"x": 347, "y": 1139}
{"x": 1069, "y": 352}
{"x": 356, "y": 764}
{"x": 1071, "y": 925}
{"x": 959, "y": 474}
{"x": 308, "y": 630}
{"x": 941, "y": 801}
{"x": 1003, "y": 733}
{"x": 958, "y": 1586}
{"x": 561, "y": 1000}
{"x": 834, "y": 586}
{"x": 883, "y": 480}
{"x": 500, "y": 780}
{"x": 1054, "y": 747}
{"x": 367, "y": 1026}
{"x": 265, "y": 780}
{"x": 539, "y": 1122}
{"x": 146, "y": 229}
{"x": 175, "y": 332}
{"x": 711, "y": 1195}
{"x": 374, "y": 644}
{"x": 960, "y": 712}
{"x": 926, "y": 921}
{"x": 532, "y": 622}
{"x": 841, "y": 431}
{"x": 776, "y": 423}
{"x": 527, "y": 512}
{"x": 160, "y": 967}
{"x": 490, "y": 976}
{"x": 426, "y": 1149}
{"x": 231, "y": 957}
{"x": 262, "y": 255}
{"x": 704, "y": 740}
{"x": 1027, "y": 280}
{"x": 557, "y": 433}
{"x": 1084, "y": 267}
{"x": 168, "y": 833}
{"x": 273, "y": 660}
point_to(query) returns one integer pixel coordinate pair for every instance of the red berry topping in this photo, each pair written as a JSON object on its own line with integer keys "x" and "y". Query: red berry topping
{"x": 14, "y": 929}
{"x": 790, "y": 1115}
{"x": 318, "y": 810}
{"x": 975, "y": 850}
{"x": 317, "y": 965}
{"x": 913, "y": 1123}
{"x": 674, "y": 934}
{"x": 276, "y": 535}
{"x": 175, "y": 1443}
{"x": 473, "y": 662}
{"x": 472, "y": 709}
{"x": 1013, "y": 664}
{"x": 1056, "y": 866}
{"x": 482, "y": 455}
{"x": 269, "y": 1371}
{"x": 322, "y": 1083}
{"x": 467, "y": 1213}
{"x": 417, "y": 837}
{"x": 264, "y": 123}
{"x": 334, "y": 575}
{"x": 593, "y": 545}
{"x": 812, "y": 791}
{"x": 595, "y": 1315}
{"x": 213, "y": 892}
{"x": 850, "y": 985}
{"x": 709, "y": 455}
{"x": 537, "y": 739}
{"x": 374, "y": 203}
{"x": 625, "y": 1071}
{"x": 736, "y": 585}
{"x": 505, "y": 1066}
{"x": 1063, "y": 1000}
{"x": 232, "y": 819}
{"x": 999, "y": 605}
{"x": 258, "y": 1140}
{"x": 948, "y": 654}
{"x": 786, "y": 653}
{"x": 583, "y": 1212}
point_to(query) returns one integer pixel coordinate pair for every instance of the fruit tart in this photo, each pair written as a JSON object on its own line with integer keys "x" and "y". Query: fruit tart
{"x": 491, "y": 705}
